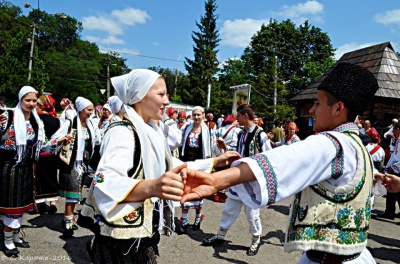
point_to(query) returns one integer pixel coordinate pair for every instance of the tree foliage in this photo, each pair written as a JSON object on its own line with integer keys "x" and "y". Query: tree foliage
{"x": 293, "y": 56}
{"x": 63, "y": 63}
{"x": 204, "y": 66}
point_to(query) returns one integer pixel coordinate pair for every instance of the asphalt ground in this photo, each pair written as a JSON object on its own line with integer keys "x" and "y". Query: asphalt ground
{"x": 49, "y": 246}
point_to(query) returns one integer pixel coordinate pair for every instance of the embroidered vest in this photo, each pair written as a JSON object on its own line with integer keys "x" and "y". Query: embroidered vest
{"x": 252, "y": 145}
{"x": 140, "y": 224}
{"x": 334, "y": 219}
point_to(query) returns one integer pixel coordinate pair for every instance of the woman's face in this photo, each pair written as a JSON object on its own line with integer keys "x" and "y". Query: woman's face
{"x": 29, "y": 102}
{"x": 197, "y": 116}
{"x": 86, "y": 113}
{"x": 106, "y": 113}
{"x": 153, "y": 104}
{"x": 292, "y": 131}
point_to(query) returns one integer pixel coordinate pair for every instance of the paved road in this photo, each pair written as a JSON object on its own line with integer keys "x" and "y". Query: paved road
{"x": 48, "y": 246}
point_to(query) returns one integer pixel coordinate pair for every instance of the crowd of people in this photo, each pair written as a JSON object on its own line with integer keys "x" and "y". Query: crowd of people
{"x": 141, "y": 158}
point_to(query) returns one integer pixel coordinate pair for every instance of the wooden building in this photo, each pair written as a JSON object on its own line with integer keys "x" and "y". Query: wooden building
{"x": 384, "y": 63}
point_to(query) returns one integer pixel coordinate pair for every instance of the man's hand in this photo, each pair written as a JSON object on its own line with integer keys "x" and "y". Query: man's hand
{"x": 226, "y": 158}
{"x": 221, "y": 144}
{"x": 198, "y": 185}
{"x": 392, "y": 183}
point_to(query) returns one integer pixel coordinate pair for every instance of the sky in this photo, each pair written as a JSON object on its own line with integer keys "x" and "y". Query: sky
{"x": 159, "y": 33}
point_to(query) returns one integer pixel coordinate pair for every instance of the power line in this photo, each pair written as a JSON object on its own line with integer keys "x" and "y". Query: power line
{"x": 144, "y": 56}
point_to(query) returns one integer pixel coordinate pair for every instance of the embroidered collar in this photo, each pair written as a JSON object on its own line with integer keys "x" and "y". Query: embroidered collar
{"x": 350, "y": 127}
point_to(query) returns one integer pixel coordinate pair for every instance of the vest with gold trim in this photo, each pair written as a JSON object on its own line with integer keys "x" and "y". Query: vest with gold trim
{"x": 139, "y": 226}
{"x": 334, "y": 219}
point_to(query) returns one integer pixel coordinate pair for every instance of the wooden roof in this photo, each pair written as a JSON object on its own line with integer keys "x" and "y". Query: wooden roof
{"x": 379, "y": 59}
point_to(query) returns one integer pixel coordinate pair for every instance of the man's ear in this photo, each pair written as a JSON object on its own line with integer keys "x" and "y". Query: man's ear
{"x": 340, "y": 107}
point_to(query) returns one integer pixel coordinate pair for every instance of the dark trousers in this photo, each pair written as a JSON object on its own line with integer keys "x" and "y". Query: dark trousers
{"x": 391, "y": 199}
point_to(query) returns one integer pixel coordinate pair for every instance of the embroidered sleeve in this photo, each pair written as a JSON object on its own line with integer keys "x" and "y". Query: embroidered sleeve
{"x": 338, "y": 162}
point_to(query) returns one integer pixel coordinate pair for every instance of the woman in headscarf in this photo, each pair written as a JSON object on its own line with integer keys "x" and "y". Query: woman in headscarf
{"x": 22, "y": 136}
{"x": 81, "y": 136}
{"x": 290, "y": 135}
{"x": 182, "y": 120}
{"x": 198, "y": 142}
{"x": 123, "y": 207}
{"x": 47, "y": 166}
{"x": 69, "y": 111}
{"x": 116, "y": 108}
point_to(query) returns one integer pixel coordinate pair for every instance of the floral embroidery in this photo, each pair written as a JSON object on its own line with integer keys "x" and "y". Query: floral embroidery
{"x": 343, "y": 217}
{"x": 98, "y": 178}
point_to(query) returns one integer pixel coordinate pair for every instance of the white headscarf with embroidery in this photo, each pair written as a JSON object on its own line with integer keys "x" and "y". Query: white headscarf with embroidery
{"x": 20, "y": 126}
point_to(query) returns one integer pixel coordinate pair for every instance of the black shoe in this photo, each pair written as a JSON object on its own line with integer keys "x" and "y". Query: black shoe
{"x": 386, "y": 216}
{"x": 253, "y": 249}
{"x": 52, "y": 209}
{"x": 10, "y": 252}
{"x": 43, "y": 208}
{"x": 213, "y": 241}
{"x": 197, "y": 222}
{"x": 182, "y": 229}
{"x": 22, "y": 244}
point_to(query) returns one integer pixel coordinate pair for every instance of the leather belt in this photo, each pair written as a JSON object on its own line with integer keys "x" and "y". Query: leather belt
{"x": 329, "y": 258}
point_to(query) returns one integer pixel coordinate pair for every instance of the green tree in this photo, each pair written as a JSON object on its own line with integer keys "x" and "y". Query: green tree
{"x": 204, "y": 66}
{"x": 293, "y": 56}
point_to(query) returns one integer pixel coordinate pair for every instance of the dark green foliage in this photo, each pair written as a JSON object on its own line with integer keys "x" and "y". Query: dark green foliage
{"x": 204, "y": 66}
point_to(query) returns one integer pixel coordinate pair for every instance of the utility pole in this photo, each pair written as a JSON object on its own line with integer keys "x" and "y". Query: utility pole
{"x": 31, "y": 52}
{"x": 27, "y": 5}
{"x": 108, "y": 75}
{"x": 275, "y": 84}
{"x": 176, "y": 76}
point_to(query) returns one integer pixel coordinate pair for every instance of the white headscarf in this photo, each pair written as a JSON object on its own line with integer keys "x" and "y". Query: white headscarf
{"x": 20, "y": 126}
{"x": 107, "y": 106}
{"x": 131, "y": 88}
{"x": 81, "y": 103}
{"x": 115, "y": 104}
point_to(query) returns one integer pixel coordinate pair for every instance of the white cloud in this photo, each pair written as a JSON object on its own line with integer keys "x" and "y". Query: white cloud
{"x": 237, "y": 33}
{"x": 389, "y": 17}
{"x": 109, "y": 40}
{"x": 298, "y": 13}
{"x": 102, "y": 23}
{"x": 350, "y": 47}
{"x": 128, "y": 51}
{"x": 130, "y": 16}
{"x": 155, "y": 43}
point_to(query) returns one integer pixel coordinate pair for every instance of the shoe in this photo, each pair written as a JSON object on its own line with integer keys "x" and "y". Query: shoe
{"x": 182, "y": 227}
{"x": 43, "y": 208}
{"x": 68, "y": 228}
{"x": 22, "y": 244}
{"x": 253, "y": 249}
{"x": 197, "y": 222}
{"x": 397, "y": 215}
{"x": 74, "y": 225}
{"x": 213, "y": 241}
{"x": 386, "y": 216}
{"x": 52, "y": 209}
{"x": 10, "y": 252}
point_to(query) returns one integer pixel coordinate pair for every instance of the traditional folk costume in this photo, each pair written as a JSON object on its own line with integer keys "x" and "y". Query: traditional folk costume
{"x": 288, "y": 140}
{"x": 331, "y": 209}
{"x": 81, "y": 149}
{"x": 104, "y": 122}
{"x": 129, "y": 232}
{"x": 115, "y": 105}
{"x": 182, "y": 125}
{"x": 250, "y": 142}
{"x": 69, "y": 111}
{"x": 229, "y": 133}
{"x": 20, "y": 146}
{"x": 334, "y": 189}
{"x": 196, "y": 146}
{"x": 47, "y": 168}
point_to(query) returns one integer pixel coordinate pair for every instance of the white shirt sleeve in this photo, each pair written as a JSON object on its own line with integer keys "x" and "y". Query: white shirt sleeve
{"x": 117, "y": 152}
{"x": 282, "y": 172}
